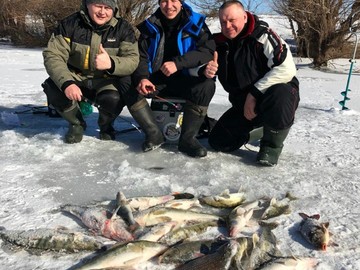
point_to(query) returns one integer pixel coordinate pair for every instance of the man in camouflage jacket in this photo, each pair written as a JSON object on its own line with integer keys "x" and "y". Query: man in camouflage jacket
{"x": 91, "y": 56}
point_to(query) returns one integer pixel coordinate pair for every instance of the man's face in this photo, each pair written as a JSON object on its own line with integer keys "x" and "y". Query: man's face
{"x": 170, "y": 8}
{"x": 232, "y": 21}
{"x": 99, "y": 13}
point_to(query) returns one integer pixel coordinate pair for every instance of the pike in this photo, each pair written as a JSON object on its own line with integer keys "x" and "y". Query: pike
{"x": 221, "y": 259}
{"x": 124, "y": 255}
{"x": 60, "y": 239}
{"x": 101, "y": 222}
{"x": 224, "y": 199}
{"x": 314, "y": 231}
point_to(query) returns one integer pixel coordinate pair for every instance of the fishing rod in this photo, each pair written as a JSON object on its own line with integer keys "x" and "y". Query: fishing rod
{"x": 153, "y": 95}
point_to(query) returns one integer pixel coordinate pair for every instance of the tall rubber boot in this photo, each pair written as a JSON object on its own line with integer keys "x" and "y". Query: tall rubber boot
{"x": 271, "y": 146}
{"x": 77, "y": 124}
{"x": 143, "y": 115}
{"x": 110, "y": 106}
{"x": 106, "y": 125}
{"x": 193, "y": 118}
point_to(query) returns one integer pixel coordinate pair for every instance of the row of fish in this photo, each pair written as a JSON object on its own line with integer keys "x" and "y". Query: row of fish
{"x": 180, "y": 231}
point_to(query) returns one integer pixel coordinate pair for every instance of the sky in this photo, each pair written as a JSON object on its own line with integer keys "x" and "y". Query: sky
{"x": 320, "y": 163}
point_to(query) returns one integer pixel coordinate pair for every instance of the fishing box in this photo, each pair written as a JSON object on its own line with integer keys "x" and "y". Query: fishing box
{"x": 168, "y": 113}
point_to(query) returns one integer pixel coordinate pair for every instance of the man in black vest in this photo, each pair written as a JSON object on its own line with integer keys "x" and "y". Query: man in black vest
{"x": 256, "y": 68}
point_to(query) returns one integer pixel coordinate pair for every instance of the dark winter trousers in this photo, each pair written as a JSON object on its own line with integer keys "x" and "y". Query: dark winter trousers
{"x": 197, "y": 90}
{"x": 275, "y": 109}
{"x": 110, "y": 94}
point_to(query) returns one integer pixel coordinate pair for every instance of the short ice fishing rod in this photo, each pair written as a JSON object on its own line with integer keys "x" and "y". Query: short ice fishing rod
{"x": 154, "y": 95}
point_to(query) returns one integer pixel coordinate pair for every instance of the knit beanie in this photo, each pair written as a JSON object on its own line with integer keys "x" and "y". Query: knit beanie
{"x": 110, "y": 3}
{"x": 180, "y": 1}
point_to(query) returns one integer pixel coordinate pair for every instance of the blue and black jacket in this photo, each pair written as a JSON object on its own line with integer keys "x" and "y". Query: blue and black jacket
{"x": 195, "y": 43}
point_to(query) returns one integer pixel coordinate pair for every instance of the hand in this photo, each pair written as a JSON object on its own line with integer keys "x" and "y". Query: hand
{"x": 145, "y": 87}
{"x": 212, "y": 67}
{"x": 249, "y": 107}
{"x": 168, "y": 68}
{"x": 102, "y": 59}
{"x": 73, "y": 92}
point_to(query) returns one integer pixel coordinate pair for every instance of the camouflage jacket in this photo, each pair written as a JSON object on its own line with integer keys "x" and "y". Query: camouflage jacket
{"x": 72, "y": 48}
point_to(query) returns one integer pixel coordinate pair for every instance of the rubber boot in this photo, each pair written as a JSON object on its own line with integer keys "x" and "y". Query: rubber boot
{"x": 77, "y": 124}
{"x": 105, "y": 122}
{"x": 193, "y": 118}
{"x": 271, "y": 146}
{"x": 143, "y": 115}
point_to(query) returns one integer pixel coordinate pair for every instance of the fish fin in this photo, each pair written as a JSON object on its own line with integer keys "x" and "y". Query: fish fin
{"x": 325, "y": 225}
{"x": 273, "y": 201}
{"x": 316, "y": 216}
{"x": 290, "y": 196}
{"x": 255, "y": 239}
{"x": 114, "y": 214}
{"x": 304, "y": 216}
{"x": 225, "y": 193}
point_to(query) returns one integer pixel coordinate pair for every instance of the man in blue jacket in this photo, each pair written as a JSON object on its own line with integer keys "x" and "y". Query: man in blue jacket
{"x": 257, "y": 69}
{"x": 174, "y": 42}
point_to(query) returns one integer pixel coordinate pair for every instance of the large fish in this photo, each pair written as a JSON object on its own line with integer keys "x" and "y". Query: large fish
{"x": 221, "y": 259}
{"x": 60, "y": 239}
{"x": 187, "y": 251}
{"x": 314, "y": 231}
{"x": 143, "y": 203}
{"x": 101, "y": 222}
{"x": 262, "y": 249}
{"x": 225, "y": 199}
{"x": 158, "y": 215}
{"x": 240, "y": 216}
{"x": 290, "y": 263}
{"x": 188, "y": 231}
{"x": 124, "y": 255}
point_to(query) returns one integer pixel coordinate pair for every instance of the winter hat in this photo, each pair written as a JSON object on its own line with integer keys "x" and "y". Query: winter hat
{"x": 110, "y": 3}
{"x": 182, "y": 1}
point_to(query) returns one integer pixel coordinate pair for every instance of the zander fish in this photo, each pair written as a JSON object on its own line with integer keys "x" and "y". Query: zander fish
{"x": 240, "y": 216}
{"x": 60, "y": 239}
{"x": 124, "y": 255}
{"x": 314, "y": 231}
{"x": 157, "y": 215}
{"x": 225, "y": 199}
{"x": 221, "y": 259}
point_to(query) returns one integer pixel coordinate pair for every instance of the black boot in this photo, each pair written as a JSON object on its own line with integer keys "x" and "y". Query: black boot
{"x": 110, "y": 106}
{"x": 105, "y": 122}
{"x": 77, "y": 124}
{"x": 271, "y": 146}
{"x": 193, "y": 118}
{"x": 143, "y": 115}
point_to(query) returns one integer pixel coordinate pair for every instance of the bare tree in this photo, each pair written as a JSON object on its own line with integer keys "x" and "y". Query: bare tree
{"x": 211, "y": 7}
{"x": 322, "y": 26}
{"x": 32, "y": 24}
